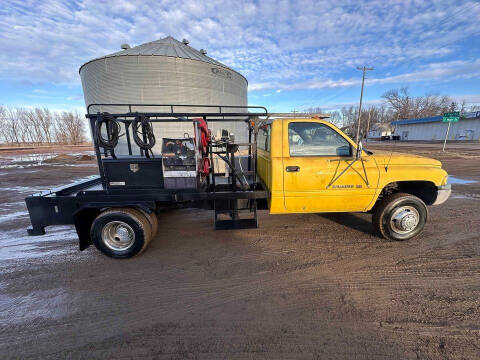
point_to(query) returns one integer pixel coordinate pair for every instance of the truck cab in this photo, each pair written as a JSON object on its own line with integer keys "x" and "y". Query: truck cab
{"x": 311, "y": 166}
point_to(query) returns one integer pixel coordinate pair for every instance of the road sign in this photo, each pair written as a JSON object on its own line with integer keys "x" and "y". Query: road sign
{"x": 451, "y": 116}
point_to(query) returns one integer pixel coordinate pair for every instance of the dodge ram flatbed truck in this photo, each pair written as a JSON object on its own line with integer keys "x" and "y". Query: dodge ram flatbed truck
{"x": 304, "y": 165}
{"x": 311, "y": 166}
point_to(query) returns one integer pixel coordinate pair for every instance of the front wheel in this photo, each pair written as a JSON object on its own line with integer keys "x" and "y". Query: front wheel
{"x": 400, "y": 216}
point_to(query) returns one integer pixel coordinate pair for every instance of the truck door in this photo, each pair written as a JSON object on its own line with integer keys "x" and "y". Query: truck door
{"x": 321, "y": 172}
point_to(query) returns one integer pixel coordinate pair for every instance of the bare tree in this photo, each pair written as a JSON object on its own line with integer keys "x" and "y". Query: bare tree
{"x": 31, "y": 124}
{"x": 70, "y": 128}
{"x": 335, "y": 118}
{"x": 61, "y": 131}
{"x": 13, "y": 128}
{"x": 41, "y": 125}
{"x": 45, "y": 119}
{"x": 406, "y": 106}
{"x": 3, "y": 125}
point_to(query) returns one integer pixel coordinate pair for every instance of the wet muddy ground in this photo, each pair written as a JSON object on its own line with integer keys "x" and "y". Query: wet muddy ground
{"x": 301, "y": 286}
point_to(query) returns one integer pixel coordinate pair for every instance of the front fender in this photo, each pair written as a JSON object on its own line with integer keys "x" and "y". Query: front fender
{"x": 404, "y": 173}
{"x": 435, "y": 175}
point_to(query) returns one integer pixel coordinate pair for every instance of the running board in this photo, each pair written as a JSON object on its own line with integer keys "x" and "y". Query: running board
{"x": 233, "y": 214}
{"x": 236, "y": 224}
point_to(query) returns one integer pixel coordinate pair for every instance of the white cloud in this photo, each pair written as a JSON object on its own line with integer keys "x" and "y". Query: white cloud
{"x": 432, "y": 72}
{"x": 284, "y": 43}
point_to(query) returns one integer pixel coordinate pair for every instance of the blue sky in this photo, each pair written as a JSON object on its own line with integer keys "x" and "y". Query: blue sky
{"x": 295, "y": 54}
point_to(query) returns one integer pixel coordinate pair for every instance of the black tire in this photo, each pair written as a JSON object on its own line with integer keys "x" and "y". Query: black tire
{"x": 153, "y": 220}
{"x": 134, "y": 226}
{"x": 400, "y": 217}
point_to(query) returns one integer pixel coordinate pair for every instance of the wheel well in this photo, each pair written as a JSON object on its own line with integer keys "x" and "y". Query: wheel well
{"x": 425, "y": 190}
{"x": 84, "y": 217}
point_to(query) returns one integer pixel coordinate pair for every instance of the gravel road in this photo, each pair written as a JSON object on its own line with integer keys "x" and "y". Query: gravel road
{"x": 300, "y": 286}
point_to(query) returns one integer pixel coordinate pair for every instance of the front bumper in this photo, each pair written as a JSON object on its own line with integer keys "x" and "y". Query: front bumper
{"x": 443, "y": 193}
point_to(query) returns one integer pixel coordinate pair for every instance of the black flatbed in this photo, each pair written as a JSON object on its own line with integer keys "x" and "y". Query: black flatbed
{"x": 80, "y": 202}
{"x": 57, "y": 206}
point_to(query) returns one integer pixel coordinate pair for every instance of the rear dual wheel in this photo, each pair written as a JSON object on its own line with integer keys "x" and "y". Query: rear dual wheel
{"x": 123, "y": 232}
{"x": 400, "y": 216}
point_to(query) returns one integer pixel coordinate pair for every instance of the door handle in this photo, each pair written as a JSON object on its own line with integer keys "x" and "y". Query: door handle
{"x": 292, "y": 168}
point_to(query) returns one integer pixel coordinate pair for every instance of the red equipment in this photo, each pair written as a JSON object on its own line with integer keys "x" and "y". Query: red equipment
{"x": 204, "y": 134}
{"x": 202, "y": 139}
{"x": 205, "y": 170}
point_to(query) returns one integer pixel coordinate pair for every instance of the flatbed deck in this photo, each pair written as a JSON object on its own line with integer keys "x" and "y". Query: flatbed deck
{"x": 58, "y": 206}
{"x": 228, "y": 193}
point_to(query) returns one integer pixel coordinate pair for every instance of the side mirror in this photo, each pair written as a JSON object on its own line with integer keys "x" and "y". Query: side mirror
{"x": 359, "y": 149}
{"x": 345, "y": 150}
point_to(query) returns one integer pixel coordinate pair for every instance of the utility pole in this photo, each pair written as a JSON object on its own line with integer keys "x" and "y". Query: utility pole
{"x": 364, "y": 70}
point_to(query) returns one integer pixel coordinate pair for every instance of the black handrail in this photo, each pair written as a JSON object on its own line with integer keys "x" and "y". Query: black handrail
{"x": 261, "y": 110}
{"x": 128, "y": 117}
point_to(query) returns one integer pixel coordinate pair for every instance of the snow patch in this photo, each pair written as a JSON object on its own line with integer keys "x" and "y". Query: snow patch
{"x": 455, "y": 180}
{"x": 466, "y": 196}
{"x": 28, "y": 160}
{"x": 13, "y": 216}
{"x": 16, "y": 244}
{"x": 41, "y": 304}
{"x": 24, "y": 189}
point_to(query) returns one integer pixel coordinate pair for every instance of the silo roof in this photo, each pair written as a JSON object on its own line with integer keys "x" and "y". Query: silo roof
{"x": 167, "y": 46}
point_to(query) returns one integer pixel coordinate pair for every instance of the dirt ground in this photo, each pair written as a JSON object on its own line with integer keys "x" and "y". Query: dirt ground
{"x": 299, "y": 287}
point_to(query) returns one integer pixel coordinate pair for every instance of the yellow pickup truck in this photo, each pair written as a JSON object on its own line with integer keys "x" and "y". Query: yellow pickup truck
{"x": 311, "y": 166}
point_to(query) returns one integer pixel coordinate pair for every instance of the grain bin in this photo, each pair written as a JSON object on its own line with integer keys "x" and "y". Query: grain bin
{"x": 164, "y": 71}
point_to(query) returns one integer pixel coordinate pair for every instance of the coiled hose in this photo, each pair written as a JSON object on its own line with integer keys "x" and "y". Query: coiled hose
{"x": 113, "y": 131}
{"x": 141, "y": 126}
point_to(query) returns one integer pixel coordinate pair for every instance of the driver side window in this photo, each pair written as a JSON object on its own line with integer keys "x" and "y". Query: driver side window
{"x": 316, "y": 139}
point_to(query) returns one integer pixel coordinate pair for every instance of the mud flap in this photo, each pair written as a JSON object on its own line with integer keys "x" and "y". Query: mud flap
{"x": 83, "y": 220}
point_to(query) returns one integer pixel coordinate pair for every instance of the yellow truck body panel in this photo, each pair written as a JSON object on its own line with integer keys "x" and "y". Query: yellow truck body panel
{"x": 299, "y": 181}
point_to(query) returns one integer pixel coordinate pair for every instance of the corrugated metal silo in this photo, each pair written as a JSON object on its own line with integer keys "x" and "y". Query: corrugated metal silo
{"x": 164, "y": 71}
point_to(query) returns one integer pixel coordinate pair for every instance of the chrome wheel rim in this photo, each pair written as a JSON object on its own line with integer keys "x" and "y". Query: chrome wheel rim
{"x": 118, "y": 235}
{"x": 404, "y": 220}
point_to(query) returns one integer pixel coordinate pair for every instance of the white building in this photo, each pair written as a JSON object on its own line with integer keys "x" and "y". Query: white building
{"x": 379, "y": 130}
{"x": 433, "y": 128}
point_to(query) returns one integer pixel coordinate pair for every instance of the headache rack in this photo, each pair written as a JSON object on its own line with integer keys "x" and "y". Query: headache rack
{"x": 178, "y": 113}
{"x": 232, "y": 192}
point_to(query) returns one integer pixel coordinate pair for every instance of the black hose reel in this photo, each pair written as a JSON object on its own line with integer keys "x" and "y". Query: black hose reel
{"x": 112, "y": 131}
{"x": 142, "y": 131}
{"x": 143, "y": 135}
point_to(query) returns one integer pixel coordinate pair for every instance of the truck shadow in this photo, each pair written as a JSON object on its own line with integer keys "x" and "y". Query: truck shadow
{"x": 352, "y": 221}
